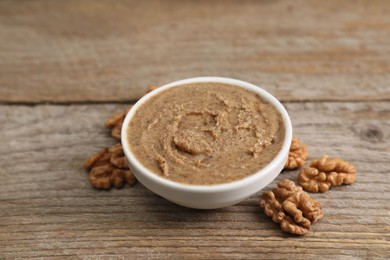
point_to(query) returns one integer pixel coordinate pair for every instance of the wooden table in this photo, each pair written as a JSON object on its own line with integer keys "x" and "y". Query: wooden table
{"x": 66, "y": 66}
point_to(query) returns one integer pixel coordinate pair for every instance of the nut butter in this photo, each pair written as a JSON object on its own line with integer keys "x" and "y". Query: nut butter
{"x": 205, "y": 133}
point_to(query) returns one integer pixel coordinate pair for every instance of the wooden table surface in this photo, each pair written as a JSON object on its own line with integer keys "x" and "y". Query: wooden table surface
{"x": 66, "y": 66}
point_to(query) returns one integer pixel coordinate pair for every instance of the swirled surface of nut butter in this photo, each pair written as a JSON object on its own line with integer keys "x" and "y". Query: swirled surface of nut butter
{"x": 205, "y": 133}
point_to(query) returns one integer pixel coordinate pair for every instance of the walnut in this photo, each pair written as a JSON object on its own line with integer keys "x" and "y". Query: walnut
{"x": 325, "y": 173}
{"x": 106, "y": 176}
{"x": 292, "y": 207}
{"x": 109, "y": 168}
{"x": 97, "y": 159}
{"x": 116, "y": 131}
{"x": 150, "y": 89}
{"x": 297, "y": 156}
{"x": 115, "y": 123}
{"x": 118, "y": 158}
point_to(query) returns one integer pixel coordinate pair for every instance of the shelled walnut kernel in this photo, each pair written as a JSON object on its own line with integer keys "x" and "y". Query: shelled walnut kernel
{"x": 109, "y": 168}
{"x": 297, "y": 156}
{"x": 292, "y": 207}
{"x": 115, "y": 123}
{"x": 325, "y": 173}
{"x": 150, "y": 89}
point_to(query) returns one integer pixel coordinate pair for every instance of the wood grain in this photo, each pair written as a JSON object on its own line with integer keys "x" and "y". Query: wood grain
{"x": 79, "y": 51}
{"x": 328, "y": 60}
{"x": 48, "y": 209}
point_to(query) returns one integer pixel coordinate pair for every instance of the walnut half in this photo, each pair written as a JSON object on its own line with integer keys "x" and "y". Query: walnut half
{"x": 150, "y": 89}
{"x": 109, "y": 168}
{"x": 115, "y": 123}
{"x": 292, "y": 207}
{"x": 297, "y": 156}
{"x": 325, "y": 173}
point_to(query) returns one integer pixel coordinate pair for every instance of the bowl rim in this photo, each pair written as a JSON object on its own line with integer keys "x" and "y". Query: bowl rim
{"x": 280, "y": 157}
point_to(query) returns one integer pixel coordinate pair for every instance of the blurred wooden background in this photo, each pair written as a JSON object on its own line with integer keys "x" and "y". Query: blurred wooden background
{"x": 66, "y": 66}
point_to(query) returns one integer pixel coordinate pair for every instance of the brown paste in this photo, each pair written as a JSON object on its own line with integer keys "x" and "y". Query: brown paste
{"x": 205, "y": 133}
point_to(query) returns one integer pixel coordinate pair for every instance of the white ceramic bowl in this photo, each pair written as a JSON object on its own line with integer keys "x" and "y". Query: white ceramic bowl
{"x": 209, "y": 196}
